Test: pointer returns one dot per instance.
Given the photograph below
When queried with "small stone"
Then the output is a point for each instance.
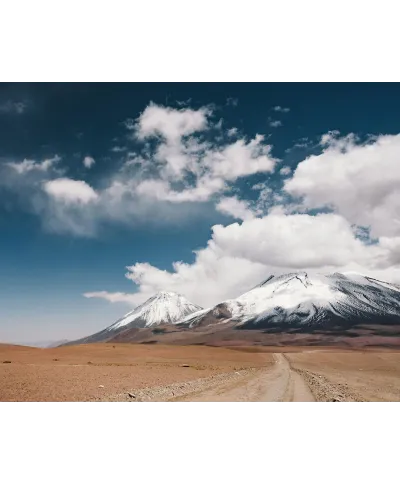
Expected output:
(6, 361)
(101, 386)
(131, 395)
(185, 365)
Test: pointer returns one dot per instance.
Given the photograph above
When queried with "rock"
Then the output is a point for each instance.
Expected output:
(185, 365)
(131, 395)
(6, 361)
(101, 386)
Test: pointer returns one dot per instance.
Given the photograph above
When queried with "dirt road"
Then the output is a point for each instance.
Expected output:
(277, 382)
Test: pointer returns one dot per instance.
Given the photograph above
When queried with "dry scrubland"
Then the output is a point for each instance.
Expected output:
(135, 372)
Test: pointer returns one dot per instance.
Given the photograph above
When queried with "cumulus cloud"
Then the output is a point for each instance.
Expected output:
(29, 165)
(360, 181)
(294, 241)
(121, 197)
(239, 256)
(182, 165)
(240, 159)
(232, 206)
(70, 191)
(356, 185)
(181, 158)
(171, 124)
(178, 164)
(181, 154)
(88, 162)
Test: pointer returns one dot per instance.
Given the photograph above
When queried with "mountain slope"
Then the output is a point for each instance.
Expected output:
(298, 300)
(162, 308)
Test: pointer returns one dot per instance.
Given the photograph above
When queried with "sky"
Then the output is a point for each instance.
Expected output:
(112, 192)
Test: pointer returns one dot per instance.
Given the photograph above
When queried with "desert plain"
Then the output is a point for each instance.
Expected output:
(157, 372)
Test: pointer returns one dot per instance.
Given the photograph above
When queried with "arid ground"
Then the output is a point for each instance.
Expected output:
(154, 372)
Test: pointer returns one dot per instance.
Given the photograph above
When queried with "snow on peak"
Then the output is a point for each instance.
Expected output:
(163, 307)
(284, 291)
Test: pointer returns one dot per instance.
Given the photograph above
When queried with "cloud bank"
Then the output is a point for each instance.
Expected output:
(336, 210)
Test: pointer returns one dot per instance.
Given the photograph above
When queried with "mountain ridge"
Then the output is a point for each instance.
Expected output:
(291, 302)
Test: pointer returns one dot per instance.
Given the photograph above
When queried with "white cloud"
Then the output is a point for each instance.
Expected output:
(232, 206)
(285, 170)
(112, 297)
(329, 137)
(171, 124)
(29, 165)
(185, 168)
(361, 181)
(240, 159)
(190, 156)
(17, 107)
(162, 190)
(280, 109)
(179, 162)
(118, 149)
(239, 256)
(275, 123)
(295, 241)
(88, 162)
(70, 191)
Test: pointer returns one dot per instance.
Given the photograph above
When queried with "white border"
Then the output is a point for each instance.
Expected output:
(198, 41)
(124, 40)
(198, 443)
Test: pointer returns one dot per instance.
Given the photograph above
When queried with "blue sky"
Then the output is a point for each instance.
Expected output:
(259, 178)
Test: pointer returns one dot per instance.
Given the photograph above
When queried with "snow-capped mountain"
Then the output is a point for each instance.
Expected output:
(290, 303)
(301, 300)
(163, 308)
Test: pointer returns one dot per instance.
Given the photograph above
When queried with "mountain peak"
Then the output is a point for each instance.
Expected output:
(166, 295)
(163, 307)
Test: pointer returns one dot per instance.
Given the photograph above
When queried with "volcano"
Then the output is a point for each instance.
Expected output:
(339, 304)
